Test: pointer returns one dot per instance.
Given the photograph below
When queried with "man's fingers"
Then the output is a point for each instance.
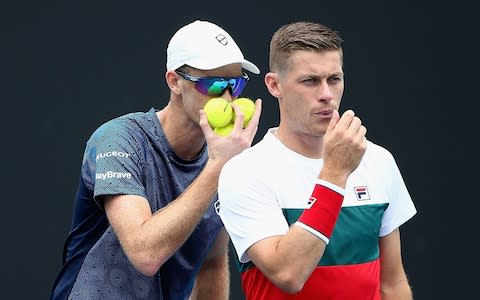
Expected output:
(345, 120)
(256, 114)
(354, 126)
(333, 121)
(252, 126)
(207, 130)
(360, 136)
(239, 117)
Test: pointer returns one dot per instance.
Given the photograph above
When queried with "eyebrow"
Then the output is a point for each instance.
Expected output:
(319, 76)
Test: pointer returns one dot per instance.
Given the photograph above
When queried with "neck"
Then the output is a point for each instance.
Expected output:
(185, 137)
(304, 144)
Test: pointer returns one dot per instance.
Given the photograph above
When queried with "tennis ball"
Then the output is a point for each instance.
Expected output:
(247, 106)
(219, 112)
(224, 131)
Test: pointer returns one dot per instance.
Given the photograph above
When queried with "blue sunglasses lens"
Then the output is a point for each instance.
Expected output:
(217, 86)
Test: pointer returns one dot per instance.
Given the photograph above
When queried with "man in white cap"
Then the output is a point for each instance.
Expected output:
(144, 222)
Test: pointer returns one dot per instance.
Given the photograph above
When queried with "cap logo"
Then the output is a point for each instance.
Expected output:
(222, 39)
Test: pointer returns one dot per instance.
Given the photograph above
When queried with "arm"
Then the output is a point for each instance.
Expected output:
(394, 282)
(149, 239)
(288, 260)
(213, 280)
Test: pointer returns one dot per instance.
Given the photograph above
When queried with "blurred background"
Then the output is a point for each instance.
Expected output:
(68, 66)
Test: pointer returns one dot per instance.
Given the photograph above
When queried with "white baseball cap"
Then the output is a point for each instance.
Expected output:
(205, 46)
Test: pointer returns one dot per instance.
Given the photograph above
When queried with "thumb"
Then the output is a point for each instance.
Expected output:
(207, 130)
(333, 120)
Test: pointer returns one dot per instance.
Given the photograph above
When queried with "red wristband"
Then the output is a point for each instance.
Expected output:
(324, 210)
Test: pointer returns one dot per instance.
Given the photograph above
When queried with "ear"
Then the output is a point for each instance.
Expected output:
(272, 84)
(173, 81)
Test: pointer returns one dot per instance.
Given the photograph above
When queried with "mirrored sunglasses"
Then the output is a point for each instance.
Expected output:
(216, 86)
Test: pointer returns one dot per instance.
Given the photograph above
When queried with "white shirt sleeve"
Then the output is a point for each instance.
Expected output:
(248, 207)
(401, 207)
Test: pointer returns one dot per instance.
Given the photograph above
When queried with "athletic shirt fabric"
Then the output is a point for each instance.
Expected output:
(264, 190)
(130, 155)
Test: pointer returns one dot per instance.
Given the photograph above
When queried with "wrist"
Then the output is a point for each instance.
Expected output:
(213, 168)
(325, 205)
(335, 177)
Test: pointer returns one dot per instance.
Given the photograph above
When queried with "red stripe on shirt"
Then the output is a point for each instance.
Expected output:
(359, 281)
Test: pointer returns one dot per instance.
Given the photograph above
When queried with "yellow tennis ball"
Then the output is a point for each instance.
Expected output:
(247, 106)
(224, 131)
(219, 112)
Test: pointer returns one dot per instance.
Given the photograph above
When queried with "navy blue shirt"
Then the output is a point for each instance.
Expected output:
(130, 155)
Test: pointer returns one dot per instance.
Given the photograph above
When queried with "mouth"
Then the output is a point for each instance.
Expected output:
(324, 114)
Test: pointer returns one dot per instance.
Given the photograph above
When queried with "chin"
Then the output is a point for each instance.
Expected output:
(316, 133)
(319, 130)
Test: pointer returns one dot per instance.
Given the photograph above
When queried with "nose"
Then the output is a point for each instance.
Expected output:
(227, 94)
(325, 94)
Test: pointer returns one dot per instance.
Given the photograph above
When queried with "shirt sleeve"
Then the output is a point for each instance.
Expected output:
(401, 207)
(248, 208)
(112, 164)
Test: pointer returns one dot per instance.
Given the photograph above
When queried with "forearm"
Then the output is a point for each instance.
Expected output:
(150, 240)
(174, 223)
(295, 257)
(400, 291)
(394, 281)
(213, 281)
(289, 260)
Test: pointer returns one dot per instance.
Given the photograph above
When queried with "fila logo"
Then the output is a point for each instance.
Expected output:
(362, 193)
(311, 201)
(222, 39)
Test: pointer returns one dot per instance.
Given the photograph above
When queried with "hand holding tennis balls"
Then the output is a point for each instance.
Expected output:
(221, 116)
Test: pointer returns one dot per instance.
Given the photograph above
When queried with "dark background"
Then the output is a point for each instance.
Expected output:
(411, 75)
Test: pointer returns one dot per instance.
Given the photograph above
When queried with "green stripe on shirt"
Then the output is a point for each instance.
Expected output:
(355, 237)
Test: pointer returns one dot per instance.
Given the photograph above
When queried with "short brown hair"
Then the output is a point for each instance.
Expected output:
(301, 36)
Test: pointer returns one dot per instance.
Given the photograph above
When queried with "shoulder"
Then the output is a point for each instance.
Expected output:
(378, 160)
(377, 152)
(121, 126)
